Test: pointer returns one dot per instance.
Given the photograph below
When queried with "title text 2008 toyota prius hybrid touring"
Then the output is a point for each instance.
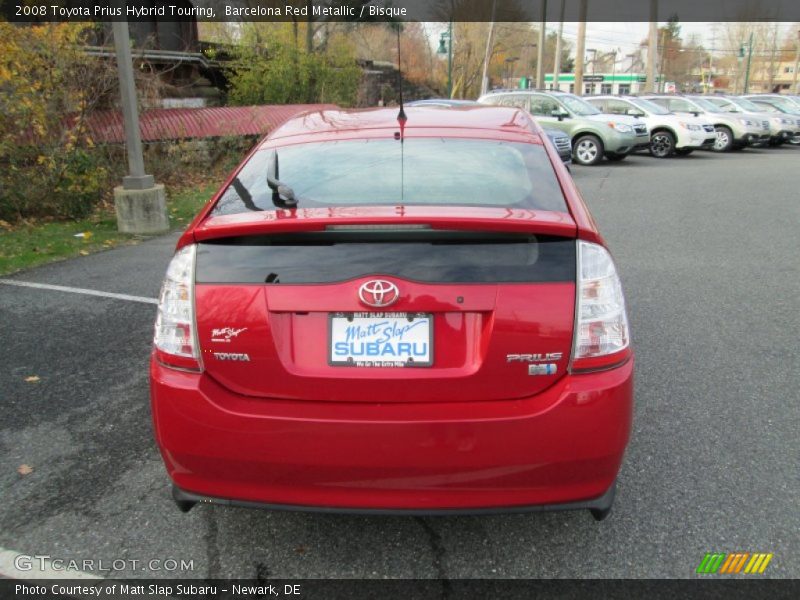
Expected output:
(385, 312)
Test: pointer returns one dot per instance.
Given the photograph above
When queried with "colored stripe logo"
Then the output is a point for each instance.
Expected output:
(733, 563)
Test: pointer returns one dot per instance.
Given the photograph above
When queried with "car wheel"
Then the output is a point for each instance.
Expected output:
(662, 144)
(587, 150)
(724, 141)
(684, 151)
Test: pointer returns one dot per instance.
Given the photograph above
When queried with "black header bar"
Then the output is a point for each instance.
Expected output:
(396, 10)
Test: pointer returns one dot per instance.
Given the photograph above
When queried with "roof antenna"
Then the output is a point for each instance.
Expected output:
(401, 116)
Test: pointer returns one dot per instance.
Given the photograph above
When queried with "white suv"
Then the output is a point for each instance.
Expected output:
(669, 133)
(733, 131)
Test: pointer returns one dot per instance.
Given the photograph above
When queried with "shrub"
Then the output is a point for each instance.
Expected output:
(285, 74)
(48, 163)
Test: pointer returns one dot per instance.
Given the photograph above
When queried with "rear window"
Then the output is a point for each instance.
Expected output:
(432, 257)
(429, 171)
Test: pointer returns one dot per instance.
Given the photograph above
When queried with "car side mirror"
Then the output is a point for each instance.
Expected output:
(559, 114)
(695, 113)
(632, 112)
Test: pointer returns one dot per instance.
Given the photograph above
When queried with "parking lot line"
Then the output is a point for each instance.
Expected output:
(74, 290)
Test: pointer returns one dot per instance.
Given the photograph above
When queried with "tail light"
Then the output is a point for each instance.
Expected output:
(602, 337)
(175, 338)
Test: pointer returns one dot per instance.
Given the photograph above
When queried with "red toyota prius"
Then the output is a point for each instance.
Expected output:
(395, 313)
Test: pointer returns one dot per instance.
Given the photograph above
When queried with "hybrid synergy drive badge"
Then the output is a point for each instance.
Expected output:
(545, 369)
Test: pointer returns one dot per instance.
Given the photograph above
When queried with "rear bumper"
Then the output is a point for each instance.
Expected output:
(601, 504)
(562, 448)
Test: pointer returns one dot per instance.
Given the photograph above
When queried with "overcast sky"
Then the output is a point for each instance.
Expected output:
(626, 36)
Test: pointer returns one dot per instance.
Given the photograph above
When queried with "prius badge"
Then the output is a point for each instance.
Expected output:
(378, 293)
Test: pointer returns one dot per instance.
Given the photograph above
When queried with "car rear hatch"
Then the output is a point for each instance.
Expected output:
(397, 310)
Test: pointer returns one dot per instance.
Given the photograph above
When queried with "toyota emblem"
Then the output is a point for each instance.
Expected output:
(378, 293)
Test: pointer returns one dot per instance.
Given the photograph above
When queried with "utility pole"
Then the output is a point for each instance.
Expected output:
(662, 65)
(140, 203)
(557, 61)
(581, 46)
(749, 59)
(487, 57)
(652, 47)
(796, 64)
(540, 49)
(706, 88)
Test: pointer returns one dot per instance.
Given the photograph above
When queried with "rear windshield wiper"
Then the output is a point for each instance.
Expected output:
(282, 195)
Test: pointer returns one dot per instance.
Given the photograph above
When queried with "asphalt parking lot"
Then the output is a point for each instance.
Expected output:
(708, 250)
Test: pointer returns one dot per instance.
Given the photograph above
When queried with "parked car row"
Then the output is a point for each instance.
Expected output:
(615, 126)
(560, 140)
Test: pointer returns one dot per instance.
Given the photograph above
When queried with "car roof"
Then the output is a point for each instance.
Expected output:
(502, 121)
(527, 91)
(449, 102)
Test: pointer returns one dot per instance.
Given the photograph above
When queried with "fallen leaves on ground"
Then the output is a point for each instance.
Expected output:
(32, 379)
(84, 253)
(24, 469)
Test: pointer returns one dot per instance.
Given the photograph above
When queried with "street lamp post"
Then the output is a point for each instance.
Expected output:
(613, 65)
(139, 202)
(633, 56)
(592, 62)
(447, 37)
(527, 62)
(507, 70)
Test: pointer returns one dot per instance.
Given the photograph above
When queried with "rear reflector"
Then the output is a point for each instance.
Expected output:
(175, 339)
(602, 338)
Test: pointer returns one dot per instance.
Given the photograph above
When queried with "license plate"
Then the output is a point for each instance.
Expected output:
(388, 339)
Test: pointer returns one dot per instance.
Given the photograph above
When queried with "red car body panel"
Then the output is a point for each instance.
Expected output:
(563, 445)
(287, 428)
(445, 217)
(285, 325)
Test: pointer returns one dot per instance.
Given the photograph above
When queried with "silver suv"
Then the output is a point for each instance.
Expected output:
(593, 133)
(669, 133)
(734, 131)
(782, 128)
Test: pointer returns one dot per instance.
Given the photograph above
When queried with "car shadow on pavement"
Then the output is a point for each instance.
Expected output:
(295, 544)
